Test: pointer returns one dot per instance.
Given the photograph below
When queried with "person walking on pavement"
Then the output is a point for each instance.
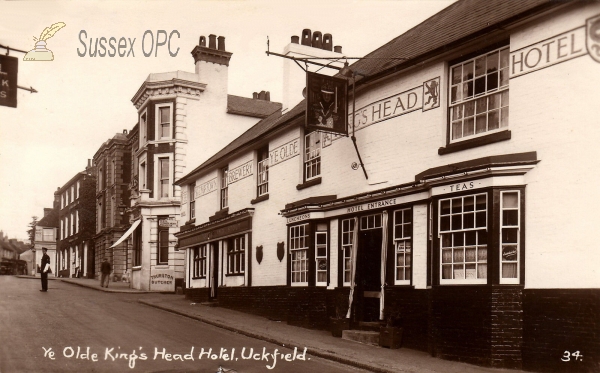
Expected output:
(105, 269)
(45, 269)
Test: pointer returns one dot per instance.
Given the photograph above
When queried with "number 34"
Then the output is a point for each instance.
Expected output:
(577, 356)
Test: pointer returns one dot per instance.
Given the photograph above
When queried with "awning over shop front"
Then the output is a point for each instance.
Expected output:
(128, 233)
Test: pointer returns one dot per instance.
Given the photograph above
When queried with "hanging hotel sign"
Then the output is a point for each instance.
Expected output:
(205, 188)
(284, 152)
(8, 80)
(240, 172)
(326, 103)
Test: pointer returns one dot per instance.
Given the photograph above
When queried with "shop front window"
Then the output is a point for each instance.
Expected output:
(403, 245)
(321, 254)
(299, 254)
(236, 259)
(347, 241)
(199, 254)
(463, 239)
(509, 237)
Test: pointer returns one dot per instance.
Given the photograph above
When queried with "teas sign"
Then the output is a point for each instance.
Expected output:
(162, 280)
(8, 81)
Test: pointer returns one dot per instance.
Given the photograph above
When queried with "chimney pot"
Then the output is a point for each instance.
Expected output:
(202, 41)
(212, 41)
(255, 95)
(89, 163)
(306, 37)
(295, 39)
(221, 43)
(317, 40)
(125, 132)
(268, 96)
(337, 49)
(328, 42)
(261, 95)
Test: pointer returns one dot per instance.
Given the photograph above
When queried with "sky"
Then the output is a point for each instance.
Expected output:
(82, 101)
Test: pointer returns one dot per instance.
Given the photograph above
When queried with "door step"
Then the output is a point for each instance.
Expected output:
(372, 326)
(367, 337)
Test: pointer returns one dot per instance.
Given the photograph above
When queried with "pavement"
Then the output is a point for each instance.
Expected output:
(318, 342)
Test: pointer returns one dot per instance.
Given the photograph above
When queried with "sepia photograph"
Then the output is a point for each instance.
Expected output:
(248, 186)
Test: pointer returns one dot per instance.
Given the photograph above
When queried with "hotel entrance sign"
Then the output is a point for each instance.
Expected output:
(8, 81)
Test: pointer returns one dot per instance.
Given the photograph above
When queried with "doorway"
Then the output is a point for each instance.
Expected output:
(368, 274)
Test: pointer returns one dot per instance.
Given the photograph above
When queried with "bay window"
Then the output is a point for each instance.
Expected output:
(509, 237)
(321, 254)
(164, 121)
(347, 241)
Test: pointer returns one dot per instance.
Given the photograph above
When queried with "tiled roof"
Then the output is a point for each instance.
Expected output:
(251, 107)
(50, 220)
(272, 121)
(445, 29)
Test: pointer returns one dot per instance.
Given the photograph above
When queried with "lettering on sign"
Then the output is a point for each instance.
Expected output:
(548, 52)
(170, 222)
(284, 152)
(162, 280)
(393, 106)
(205, 188)
(462, 186)
(184, 195)
(294, 219)
(240, 172)
(372, 205)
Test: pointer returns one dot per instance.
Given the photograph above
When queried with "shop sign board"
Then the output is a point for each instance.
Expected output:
(8, 80)
(168, 222)
(162, 280)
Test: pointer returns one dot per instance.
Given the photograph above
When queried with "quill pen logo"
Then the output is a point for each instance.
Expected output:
(40, 52)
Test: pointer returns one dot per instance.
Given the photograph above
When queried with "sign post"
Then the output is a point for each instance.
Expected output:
(9, 67)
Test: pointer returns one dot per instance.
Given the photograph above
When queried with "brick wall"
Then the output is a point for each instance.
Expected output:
(507, 327)
(197, 295)
(413, 306)
(559, 320)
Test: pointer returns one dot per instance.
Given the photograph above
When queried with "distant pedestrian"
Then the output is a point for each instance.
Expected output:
(105, 269)
(45, 269)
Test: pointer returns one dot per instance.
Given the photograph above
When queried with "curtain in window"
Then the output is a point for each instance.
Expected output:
(384, 240)
(353, 266)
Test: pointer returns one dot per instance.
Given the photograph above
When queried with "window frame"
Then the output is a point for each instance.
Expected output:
(199, 259)
(192, 196)
(224, 188)
(509, 280)
(406, 242)
(158, 125)
(236, 255)
(299, 244)
(312, 156)
(158, 177)
(162, 249)
(456, 233)
(47, 232)
(143, 129)
(262, 172)
(143, 174)
(324, 233)
(346, 248)
(457, 107)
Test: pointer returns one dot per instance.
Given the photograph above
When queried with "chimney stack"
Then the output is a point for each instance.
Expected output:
(47, 211)
(202, 41)
(212, 41)
(295, 39)
(221, 43)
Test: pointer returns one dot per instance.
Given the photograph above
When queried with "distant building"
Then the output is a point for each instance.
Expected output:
(10, 261)
(45, 235)
(183, 118)
(77, 216)
(112, 164)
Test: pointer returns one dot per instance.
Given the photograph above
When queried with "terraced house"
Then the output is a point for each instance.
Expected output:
(477, 131)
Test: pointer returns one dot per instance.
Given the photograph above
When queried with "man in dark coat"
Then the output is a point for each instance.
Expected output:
(45, 268)
(105, 268)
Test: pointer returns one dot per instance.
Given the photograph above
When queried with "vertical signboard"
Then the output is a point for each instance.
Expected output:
(326, 103)
(8, 81)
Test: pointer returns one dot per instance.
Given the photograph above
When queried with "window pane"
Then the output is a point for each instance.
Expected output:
(165, 114)
(481, 104)
(456, 73)
(503, 77)
(456, 130)
(509, 270)
(457, 112)
(469, 128)
(468, 71)
(509, 235)
(492, 81)
(467, 89)
(510, 217)
(493, 120)
(469, 108)
(480, 66)
(510, 200)
(445, 207)
(480, 85)
(492, 62)
(504, 58)
(494, 101)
